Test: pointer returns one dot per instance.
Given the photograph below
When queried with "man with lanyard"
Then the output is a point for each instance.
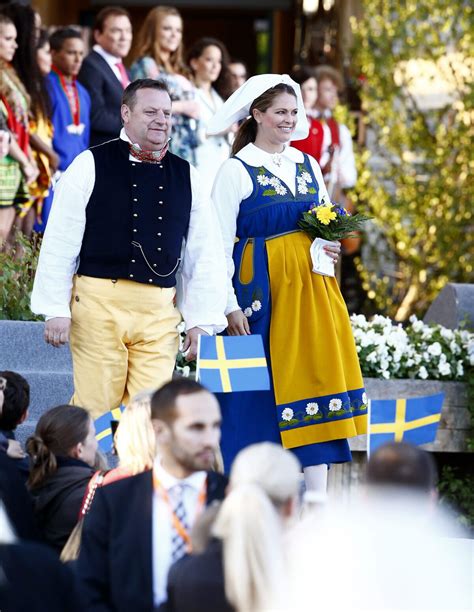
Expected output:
(103, 73)
(139, 526)
(128, 224)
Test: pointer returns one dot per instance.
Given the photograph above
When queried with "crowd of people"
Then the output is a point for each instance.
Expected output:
(166, 530)
(171, 193)
(56, 101)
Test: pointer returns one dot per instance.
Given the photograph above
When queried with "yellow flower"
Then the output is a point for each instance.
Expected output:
(325, 214)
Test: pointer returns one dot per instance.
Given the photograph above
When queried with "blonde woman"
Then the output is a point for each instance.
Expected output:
(243, 568)
(159, 53)
(135, 441)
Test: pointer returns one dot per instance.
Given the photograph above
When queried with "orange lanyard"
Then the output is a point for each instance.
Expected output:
(177, 524)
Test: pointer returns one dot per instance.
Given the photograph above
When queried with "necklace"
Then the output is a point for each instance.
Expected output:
(277, 159)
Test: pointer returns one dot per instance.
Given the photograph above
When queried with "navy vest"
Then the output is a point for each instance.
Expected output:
(136, 217)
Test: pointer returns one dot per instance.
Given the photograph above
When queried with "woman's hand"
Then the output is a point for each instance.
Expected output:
(30, 171)
(238, 324)
(190, 108)
(333, 250)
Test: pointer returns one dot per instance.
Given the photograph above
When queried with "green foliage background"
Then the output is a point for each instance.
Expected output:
(17, 272)
(416, 175)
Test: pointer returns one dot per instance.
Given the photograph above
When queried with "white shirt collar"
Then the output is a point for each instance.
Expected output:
(195, 481)
(124, 136)
(112, 60)
(254, 156)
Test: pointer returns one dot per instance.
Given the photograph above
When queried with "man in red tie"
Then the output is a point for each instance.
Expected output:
(103, 73)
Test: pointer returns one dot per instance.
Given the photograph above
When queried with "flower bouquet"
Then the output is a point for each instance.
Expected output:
(325, 223)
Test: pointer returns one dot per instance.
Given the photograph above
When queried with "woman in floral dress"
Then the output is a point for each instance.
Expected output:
(160, 56)
(317, 399)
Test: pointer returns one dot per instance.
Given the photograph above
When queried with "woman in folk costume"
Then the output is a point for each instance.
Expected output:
(317, 399)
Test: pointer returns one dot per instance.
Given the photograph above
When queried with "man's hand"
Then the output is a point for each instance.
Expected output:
(191, 342)
(14, 450)
(56, 331)
(238, 324)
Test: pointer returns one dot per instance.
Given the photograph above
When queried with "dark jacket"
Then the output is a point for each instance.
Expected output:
(34, 580)
(115, 564)
(23, 465)
(196, 583)
(17, 501)
(105, 92)
(59, 499)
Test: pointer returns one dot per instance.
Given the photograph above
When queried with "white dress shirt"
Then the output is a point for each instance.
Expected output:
(162, 529)
(201, 277)
(233, 184)
(112, 60)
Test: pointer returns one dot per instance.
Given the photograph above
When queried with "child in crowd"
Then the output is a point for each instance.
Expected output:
(70, 101)
(14, 402)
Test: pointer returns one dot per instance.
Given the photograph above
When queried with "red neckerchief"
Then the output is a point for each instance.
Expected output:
(153, 157)
(72, 100)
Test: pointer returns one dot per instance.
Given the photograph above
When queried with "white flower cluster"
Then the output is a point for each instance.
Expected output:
(302, 180)
(287, 414)
(274, 182)
(388, 350)
(312, 408)
(256, 306)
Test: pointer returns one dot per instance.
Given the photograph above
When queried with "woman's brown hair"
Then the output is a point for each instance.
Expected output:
(148, 45)
(248, 130)
(222, 83)
(57, 432)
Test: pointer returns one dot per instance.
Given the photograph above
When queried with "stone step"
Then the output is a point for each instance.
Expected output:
(23, 348)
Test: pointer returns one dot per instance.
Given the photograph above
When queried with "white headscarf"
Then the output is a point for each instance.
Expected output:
(237, 107)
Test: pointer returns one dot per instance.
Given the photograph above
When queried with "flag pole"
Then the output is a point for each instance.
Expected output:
(369, 417)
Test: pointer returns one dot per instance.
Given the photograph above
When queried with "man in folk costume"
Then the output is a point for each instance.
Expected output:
(128, 224)
(331, 142)
(70, 105)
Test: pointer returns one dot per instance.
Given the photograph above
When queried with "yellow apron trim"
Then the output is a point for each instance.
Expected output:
(324, 432)
(246, 264)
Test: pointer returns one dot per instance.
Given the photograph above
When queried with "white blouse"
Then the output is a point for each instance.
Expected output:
(233, 184)
(212, 150)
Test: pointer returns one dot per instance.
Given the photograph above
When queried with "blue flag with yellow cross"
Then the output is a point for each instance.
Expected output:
(414, 420)
(103, 428)
(232, 363)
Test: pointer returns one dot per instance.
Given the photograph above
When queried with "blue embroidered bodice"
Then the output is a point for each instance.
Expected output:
(271, 208)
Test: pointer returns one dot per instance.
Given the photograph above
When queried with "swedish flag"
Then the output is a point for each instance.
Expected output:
(413, 420)
(232, 363)
(103, 428)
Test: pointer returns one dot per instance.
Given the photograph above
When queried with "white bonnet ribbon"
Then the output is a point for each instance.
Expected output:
(237, 107)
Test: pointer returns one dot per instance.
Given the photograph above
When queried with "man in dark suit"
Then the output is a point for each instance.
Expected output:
(139, 526)
(103, 73)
